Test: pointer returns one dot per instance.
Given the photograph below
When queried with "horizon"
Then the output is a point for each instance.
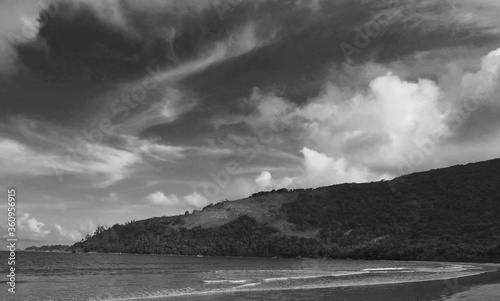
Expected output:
(117, 111)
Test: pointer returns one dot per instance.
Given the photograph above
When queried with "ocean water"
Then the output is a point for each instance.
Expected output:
(97, 277)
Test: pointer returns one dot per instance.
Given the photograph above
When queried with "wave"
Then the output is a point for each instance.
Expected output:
(384, 269)
(248, 285)
(215, 281)
(442, 269)
(225, 281)
(280, 282)
(254, 287)
(447, 268)
(335, 274)
(277, 279)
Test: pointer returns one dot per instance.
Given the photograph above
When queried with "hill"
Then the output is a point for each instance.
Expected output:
(52, 248)
(449, 214)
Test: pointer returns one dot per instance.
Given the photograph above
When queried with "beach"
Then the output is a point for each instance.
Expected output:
(120, 277)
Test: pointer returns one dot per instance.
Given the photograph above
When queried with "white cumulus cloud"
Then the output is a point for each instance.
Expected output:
(193, 200)
(32, 226)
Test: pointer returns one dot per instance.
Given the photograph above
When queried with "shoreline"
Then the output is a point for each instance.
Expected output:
(496, 264)
(446, 292)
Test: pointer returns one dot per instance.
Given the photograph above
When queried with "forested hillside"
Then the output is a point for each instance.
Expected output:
(52, 248)
(450, 214)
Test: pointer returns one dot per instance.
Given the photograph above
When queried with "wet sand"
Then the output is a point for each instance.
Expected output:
(484, 287)
(489, 292)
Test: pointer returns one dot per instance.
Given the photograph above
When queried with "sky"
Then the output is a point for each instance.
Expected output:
(112, 111)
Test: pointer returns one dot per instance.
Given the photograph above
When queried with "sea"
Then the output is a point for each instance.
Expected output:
(99, 277)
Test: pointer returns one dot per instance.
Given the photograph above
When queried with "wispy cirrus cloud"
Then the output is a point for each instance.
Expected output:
(59, 153)
(103, 165)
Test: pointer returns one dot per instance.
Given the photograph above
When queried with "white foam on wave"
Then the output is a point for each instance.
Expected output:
(335, 274)
(449, 268)
(248, 285)
(252, 287)
(444, 269)
(384, 269)
(225, 281)
(276, 279)
(255, 286)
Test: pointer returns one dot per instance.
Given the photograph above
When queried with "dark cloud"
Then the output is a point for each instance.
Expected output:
(78, 39)
(314, 40)
(307, 49)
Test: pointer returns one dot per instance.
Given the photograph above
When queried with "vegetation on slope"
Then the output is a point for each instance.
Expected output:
(450, 214)
(52, 248)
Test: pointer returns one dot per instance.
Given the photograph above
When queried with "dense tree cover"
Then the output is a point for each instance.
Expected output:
(52, 248)
(449, 214)
(241, 237)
